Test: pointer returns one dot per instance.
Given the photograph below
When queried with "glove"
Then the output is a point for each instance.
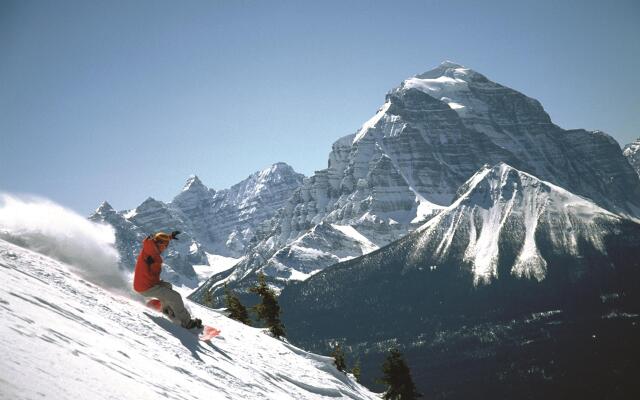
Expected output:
(148, 260)
(174, 235)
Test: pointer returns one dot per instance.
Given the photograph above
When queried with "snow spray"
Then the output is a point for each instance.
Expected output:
(52, 230)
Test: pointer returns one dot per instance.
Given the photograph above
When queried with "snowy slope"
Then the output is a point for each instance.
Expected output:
(501, 205)
(63, 337)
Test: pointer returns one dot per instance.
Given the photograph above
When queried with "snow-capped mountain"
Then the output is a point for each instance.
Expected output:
(510, 246)
(503, 208)
(65, 338)
(213, 223)
(153, 216)
(129, 235)
(632, 152)
(227, 220)
(405, 164)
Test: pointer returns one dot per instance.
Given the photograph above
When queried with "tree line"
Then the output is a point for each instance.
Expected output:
(396, 373)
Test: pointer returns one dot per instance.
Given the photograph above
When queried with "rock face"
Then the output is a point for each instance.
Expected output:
(153, 216)
(475, 285)
(128, 235)
(632, 152)
(212, 222)
(405, 164)
(225, 221)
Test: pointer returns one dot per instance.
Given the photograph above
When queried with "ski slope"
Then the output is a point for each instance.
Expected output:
(63, 337)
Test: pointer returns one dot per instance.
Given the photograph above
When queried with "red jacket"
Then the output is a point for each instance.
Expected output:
(148, 266)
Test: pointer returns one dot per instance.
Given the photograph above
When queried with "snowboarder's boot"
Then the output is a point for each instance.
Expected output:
(194, 323)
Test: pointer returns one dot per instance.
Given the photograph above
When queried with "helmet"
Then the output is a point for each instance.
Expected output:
(162, 237)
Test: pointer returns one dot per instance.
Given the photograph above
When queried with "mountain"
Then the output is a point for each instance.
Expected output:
(226, 220)
(214, 224)
(632, 152)
(129, 235)
(66, 338)
(514, 276)
(405, 164)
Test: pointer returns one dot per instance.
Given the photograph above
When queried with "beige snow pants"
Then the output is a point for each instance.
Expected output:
(172, 304)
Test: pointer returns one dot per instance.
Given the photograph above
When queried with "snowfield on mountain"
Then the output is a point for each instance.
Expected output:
(63, 337)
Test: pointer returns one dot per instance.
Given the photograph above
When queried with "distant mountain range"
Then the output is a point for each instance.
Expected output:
(213, 223)
(404, 165)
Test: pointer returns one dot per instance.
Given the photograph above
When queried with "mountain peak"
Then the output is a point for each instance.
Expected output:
(276, 171)
(632, 153)
(194, 183)
(278, 167)
(635, 145)
(450, 64)
(502, 186)
(448, 69)
(105, 208)
(497, 199)
(150, 202)
(501, 182)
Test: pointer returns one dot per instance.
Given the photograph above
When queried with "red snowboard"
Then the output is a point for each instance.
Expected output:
(208, 332)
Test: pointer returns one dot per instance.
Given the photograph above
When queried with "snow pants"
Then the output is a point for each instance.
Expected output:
(172, 304)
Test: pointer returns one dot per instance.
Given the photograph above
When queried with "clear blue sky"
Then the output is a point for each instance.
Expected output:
(121, 100)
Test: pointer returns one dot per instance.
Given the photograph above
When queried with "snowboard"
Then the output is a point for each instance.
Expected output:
(208, 332)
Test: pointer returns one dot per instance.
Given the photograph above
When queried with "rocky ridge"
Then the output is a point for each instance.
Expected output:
(212, 222)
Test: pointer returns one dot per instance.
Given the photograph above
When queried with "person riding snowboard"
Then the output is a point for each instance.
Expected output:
(146, 280)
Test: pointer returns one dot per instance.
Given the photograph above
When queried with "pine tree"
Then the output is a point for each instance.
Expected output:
(207, 301)
(338, 358)
(236, 309)
(398, 378)
(357, 371)
(269, 309)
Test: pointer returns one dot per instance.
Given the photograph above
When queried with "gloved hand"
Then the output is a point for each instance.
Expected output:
(174, 235)
(148, 260)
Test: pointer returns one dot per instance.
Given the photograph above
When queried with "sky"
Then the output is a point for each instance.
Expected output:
(123, 100)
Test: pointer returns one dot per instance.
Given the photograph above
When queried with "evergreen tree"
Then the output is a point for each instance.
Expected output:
(338, 358)
(357, 371)
(236, 309)
(269, 309)
(207, 301)
(398, 378)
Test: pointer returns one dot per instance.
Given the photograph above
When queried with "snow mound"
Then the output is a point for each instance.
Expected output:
(64, 338)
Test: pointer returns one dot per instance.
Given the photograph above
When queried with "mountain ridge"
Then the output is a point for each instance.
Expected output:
(404, 165)
(220, 223)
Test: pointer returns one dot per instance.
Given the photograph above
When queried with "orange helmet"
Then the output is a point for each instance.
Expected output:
(162, 237)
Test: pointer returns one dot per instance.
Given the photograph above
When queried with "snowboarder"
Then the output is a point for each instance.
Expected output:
(146, 280)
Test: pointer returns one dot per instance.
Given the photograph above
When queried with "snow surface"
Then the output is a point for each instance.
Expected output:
(64, 335)
(217, 264)
(451, 88)
(65, 338)
(371, 122)
(366, 245)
